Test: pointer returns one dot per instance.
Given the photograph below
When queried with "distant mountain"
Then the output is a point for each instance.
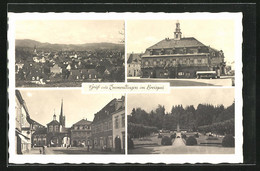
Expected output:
(28, 43)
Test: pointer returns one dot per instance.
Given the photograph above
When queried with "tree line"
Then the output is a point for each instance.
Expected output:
(188, 118)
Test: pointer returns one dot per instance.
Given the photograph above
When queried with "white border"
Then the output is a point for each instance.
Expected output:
(171, 158)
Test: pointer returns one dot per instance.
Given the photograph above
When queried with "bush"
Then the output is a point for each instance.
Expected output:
(166, 141)
(159, 136)
(228, 141)
(183, 136)
(130, 143)
(191, 141)
(173, 136)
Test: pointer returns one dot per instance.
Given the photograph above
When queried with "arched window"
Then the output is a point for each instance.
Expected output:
(33, 78)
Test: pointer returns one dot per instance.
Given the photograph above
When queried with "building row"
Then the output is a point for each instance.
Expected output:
(106, 132)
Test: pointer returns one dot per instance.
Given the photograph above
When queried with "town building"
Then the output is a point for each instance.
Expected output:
(55, 135)
(102, 126)
(118, 118)
(81, 134)
(134, 65)
(181, 57)
(56, 69)
(23, 127)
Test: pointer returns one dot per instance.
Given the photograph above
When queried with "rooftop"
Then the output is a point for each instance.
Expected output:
(171, 43)
(83, 122)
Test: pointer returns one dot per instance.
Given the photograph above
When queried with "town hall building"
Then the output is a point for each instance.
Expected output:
(181, 58)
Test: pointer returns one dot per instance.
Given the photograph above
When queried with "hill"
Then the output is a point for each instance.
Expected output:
(28, 43)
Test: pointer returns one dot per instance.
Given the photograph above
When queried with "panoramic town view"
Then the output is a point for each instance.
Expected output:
(187, 121)
(64, 125)
(186, 53)
(89, 51)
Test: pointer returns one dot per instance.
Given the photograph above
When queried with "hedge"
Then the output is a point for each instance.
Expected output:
(166, 141)
(191, 141)
(228, 141)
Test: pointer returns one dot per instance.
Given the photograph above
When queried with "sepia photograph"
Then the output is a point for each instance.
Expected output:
(69, 122)
(125, 87)
(181, 52)
(186, 121)
(65, 53)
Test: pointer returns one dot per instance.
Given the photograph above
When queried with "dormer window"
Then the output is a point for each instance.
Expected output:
(162, 52)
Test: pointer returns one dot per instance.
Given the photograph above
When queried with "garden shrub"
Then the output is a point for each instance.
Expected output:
(183, 136)
(166, 141)
(191, 141)
(173, 136)
(228, 141)
(130, 143)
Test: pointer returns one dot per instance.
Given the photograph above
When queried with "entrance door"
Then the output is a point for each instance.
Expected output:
(154, 74)
(54, 142)
(18, 145)
(118, 144)
(172, 73)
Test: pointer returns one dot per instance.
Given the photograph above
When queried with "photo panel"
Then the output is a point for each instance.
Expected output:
(65, 53)
(185, 121)
(64, 122)
(185, 52)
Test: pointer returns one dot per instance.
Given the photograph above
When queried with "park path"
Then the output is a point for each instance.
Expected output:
(178, 142)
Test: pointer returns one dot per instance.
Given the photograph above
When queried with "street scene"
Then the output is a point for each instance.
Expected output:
(182, 122)
(195, 53)
(88, 51)
(65, 125)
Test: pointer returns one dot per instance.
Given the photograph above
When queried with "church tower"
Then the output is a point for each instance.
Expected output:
(62, 118)
(35, 50)
(177, 33)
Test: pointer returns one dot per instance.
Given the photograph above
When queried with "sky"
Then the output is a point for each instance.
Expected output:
(219, 34)
(184, 97)
(41, 104)
(70, 31)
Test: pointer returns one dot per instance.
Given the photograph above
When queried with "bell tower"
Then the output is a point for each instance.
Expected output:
(177, 33)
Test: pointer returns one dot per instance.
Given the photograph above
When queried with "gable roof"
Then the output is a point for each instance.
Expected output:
(105, 112)
(134, 58)
(54, 122)
(83, 122)
(40, 131)
(31, 121)
(171, 43)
